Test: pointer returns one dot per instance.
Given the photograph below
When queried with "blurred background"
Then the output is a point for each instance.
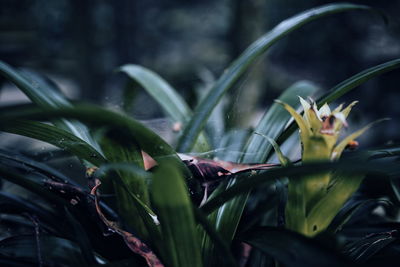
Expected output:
(79, 44)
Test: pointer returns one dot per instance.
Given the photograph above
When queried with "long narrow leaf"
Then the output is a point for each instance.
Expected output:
(257, 150)
(345, 87)
(269, 176)
(55, 136)
(46, 97)
(220, 244)
(12, 204)
(293, 249)
(144, 215)
(239, 66)
(160, 90)
(181, 246)
(274, 122)
(98, 117)
(356, 80)
(119, 148)
(53, 250)
(165, 95)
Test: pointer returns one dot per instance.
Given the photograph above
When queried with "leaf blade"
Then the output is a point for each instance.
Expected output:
(181, 244)
(240, 65)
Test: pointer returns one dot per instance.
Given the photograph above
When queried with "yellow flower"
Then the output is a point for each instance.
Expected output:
(320, 130)
(319, 133)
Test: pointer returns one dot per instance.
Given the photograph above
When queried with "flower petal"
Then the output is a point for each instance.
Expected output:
(304, 103)
(345, 113)
(341, 117)
(304, 129)
(324, 111)
(347, 110)
(311, 115)
(338, 108)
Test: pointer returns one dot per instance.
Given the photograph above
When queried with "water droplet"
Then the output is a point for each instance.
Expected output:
(155, 219)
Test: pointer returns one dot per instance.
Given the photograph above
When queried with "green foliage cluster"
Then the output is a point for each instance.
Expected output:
(155, 207)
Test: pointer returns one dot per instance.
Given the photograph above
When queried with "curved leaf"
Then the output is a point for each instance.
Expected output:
(98, 117)
(45, 96)
(149, 218)
(160, 90)
(40, 167)
(274, 121)
(181, 243)
(55, 136)
(293, 249)
(12, 204)
(351, 208)
(220, 244)
(363, 249)
(166, 96)
(53, 250)
(240, 65)
(257, 150)
(346, 166)
(345, 87)
(356, 80)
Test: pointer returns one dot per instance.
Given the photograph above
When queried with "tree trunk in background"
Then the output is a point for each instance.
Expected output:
(248, 24)
(105, 32)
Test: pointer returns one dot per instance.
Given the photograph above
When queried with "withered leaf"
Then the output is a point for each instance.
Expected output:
(134, 243)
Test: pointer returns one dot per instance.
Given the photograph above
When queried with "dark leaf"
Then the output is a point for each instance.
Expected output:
(53, 251)
(293, 249)
(131, 241)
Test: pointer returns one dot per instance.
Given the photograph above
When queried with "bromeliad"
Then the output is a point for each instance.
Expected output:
(314, 200)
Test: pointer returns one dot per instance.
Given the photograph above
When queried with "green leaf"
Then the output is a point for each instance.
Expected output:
(322, 214)
(17, 164)
(9, 175)
(10, 159)
(232, 142)
(348, 166)
(55, 136)
(245, 60)
(220, 244)
(44, 96)
(118, 149)
(281, 157)
(257, 149)
(293, 249)
(144, 220)
(99, 118)
(345, 87)
(181, 246)
(347, 212)
(13, 204)
(53, 250)
(81, 238)
(356, 80)
(231, 145)
(166, 96)
(274, 121)
(160, 90)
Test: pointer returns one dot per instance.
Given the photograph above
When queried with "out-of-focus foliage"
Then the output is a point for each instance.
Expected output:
(142, 203)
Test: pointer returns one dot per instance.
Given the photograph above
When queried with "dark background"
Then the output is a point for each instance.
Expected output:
(79, 44)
